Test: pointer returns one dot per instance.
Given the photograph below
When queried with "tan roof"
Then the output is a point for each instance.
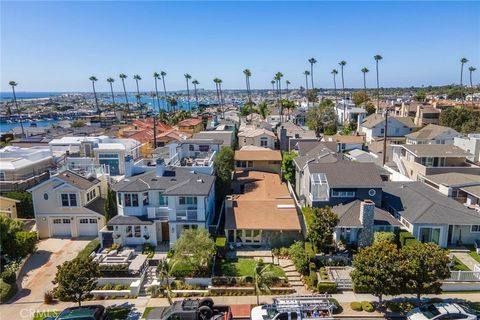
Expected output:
(436, 150)
(255, 133)
(77, 180)
(189, 122)
(473, 190)
(265, 204)
(375, 118)
(455, 178)
(258, 155)
(344, 139)
(430, 132)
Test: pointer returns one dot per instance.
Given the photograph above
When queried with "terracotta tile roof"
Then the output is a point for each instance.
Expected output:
(265, 203)
(175, 134)
(258, 155)
(145, 124)
(143, 136)
(189, 122)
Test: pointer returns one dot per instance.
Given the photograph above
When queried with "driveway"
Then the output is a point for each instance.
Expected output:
(38, 273)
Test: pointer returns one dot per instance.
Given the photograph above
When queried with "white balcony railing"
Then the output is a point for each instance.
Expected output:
(158, 213)
(187, 215)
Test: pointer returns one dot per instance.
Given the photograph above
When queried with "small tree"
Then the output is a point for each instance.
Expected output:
(426, 264)
(384, 236)
(223, 165)
(75, 279)
(321, 226)
(369, 108)
(196, 247)
(263, 277)
(378, 270)
(288, 167)
(25, 207)
(110, 205)
(322, 118)
(359, 98)
(164, 272)
(299, 257)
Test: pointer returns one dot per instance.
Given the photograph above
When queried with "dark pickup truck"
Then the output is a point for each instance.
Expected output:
(191, 309)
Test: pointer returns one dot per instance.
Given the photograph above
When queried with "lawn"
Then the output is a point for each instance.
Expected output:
(147, 312)
(458, 265)
(42, 315)
(245, 267)
(91, 247)
(473, 252)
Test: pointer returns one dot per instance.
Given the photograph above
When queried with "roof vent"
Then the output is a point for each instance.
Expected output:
(200, 180)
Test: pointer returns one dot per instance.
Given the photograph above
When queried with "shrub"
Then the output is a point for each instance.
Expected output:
(48, 297)
(367, 306)
(393, 306)
(406, 239)
(383, 236)
(299, 257)
(356, 306)
(326, 287)
(170, 253)
(6, 290)
(92, 246)
(311, 281)
(309, 251)
(337, 307)
(9, 275)
(283, 252)
(407, 306)
(149, 250)
(221, 245)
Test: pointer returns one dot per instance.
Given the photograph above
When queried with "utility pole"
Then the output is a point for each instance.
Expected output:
(385, 128)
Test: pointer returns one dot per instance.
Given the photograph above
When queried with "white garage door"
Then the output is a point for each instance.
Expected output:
(87, 227)
(61, 227)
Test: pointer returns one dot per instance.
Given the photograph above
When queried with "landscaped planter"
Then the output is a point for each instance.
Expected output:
(203, 282)
(112, 293)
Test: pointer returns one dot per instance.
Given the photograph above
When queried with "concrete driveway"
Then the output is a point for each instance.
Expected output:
(38, 273)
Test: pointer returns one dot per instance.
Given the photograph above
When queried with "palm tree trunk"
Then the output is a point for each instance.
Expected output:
(343, 94)
(188, 97)
(18, 111)
(364, 83)
(196, 95)
(246, 85)
(165, 94)
(461, 85)
(156, 92)
(378, 87)
(95, 95)
(311, 75)
(221, 100)
(335, 89)
(126, 99)
(113, 99)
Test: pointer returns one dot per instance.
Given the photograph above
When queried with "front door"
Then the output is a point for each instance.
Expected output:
(165, 232)
(159, 232)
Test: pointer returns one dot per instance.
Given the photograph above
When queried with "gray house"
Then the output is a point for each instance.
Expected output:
(429, 215)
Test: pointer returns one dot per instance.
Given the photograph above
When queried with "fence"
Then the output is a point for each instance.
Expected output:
(465, 276)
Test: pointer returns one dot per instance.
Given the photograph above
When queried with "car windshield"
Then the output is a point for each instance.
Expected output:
(429, 311)
(271, 313)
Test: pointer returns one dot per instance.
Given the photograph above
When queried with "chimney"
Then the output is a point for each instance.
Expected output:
(128, 166)
(160, 167)
(367, 212)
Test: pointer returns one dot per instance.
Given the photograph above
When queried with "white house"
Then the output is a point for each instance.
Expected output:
(154, 207)
(373, 126)
(69, 205)
(432, 134)
(349, 112)
(470, 143)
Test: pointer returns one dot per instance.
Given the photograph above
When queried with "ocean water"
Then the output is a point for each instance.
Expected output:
(8, 95)
(5, 127)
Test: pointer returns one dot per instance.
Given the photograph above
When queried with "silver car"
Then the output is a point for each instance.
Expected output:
(442, 311)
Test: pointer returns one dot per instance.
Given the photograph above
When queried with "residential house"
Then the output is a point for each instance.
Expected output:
(154, 207)
(257, 137)
(373, 126)
(289, 134)
(322, 178)
(359, 155)
(432, 134)
(420, 160)
(359, 220)
(429, 215)
(299, 117)
(196, 154)
(192, 125)
(69, 205)
(349, 113)
(227, 136)
(346, 142)
(172, 135)
(471, 144)
(426, 115)
(261, 211)
(258, 159)
(8, 207)
(22, 168)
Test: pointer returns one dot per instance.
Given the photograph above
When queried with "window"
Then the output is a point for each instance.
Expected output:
(120, 199)
(372, 192)
(131, 199)
(204, 148)
(69, 199)
(91, 195)
(67, 221)
(111, 160)
(188, 200)
(263, 141)
(83, 221)
(145, 198)
(93, 221)
(319, 189)
(343, 194)
(45, 196)
(129, 232)
(2, 176)
(57, 221)
(476, 228)
(244, 164)
(191, 147)
(382, 131)
(162, 200)
(138, 231)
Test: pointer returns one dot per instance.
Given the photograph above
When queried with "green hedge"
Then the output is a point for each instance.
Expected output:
(91, 247)
(367, 306)
(407, 239)
(221, 244)
(311, 280)
(6, 290)
(328, 287)
(356, 306)
(310, 251)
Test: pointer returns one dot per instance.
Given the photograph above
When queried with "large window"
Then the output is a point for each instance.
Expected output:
(91, 195)
(430, 235)
(145, 199)
(69, 199)
(264, 142)
(244, 164)
(111, 160)
(2, 176)
(319, 187)
(131, 199)
(343, 194)
(188, 200)
(476, 228)
(162, 200)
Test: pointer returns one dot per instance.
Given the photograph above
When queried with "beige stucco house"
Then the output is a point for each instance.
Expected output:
(257, 137)
(8, 207)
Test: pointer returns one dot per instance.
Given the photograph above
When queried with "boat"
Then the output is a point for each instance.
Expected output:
(315, 306)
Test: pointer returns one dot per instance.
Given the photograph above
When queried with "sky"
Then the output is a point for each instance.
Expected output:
(57, 46)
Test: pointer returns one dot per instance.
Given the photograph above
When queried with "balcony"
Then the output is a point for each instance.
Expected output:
(187, 215)
(158, 213)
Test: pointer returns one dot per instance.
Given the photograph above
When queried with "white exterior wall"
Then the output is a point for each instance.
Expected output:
(394, 129)
(470, 144)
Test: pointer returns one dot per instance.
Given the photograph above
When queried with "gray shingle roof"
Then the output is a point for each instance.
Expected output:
(77, 180)
(349, 215)
(348, 174)
(305, 147)
(128, 220)
(436, 150)
(430, 132)
(97, 205)
(419, 203)
(374, 119)
(175, 181)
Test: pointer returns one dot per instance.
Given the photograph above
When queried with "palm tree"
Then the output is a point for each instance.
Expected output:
(365, 71)
(462, 61)
(312, 62)
(195, 83)
(164, 272)
(377, 58)
(335, 72)
(218, 88)
(153, 95)
(342, 64)
(273, 85)
(13, 84)
(111, 81)
(306, 73)
(93, 79)
(287, 84)
(278, 78)
(221, 97)
(156, 76)
(188, 77)
(123, 76)
(472, 70)
(138, 96)
(248, 74)
(263, 109)
(263, 276)
(163, 74)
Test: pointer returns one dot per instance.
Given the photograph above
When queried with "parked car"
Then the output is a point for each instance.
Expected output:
(442, 311)
(94, 312)
(192, 309)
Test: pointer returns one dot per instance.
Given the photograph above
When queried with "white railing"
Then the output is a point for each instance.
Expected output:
(399, 163)
(465, 276)
(158, 213)
(188, 214)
